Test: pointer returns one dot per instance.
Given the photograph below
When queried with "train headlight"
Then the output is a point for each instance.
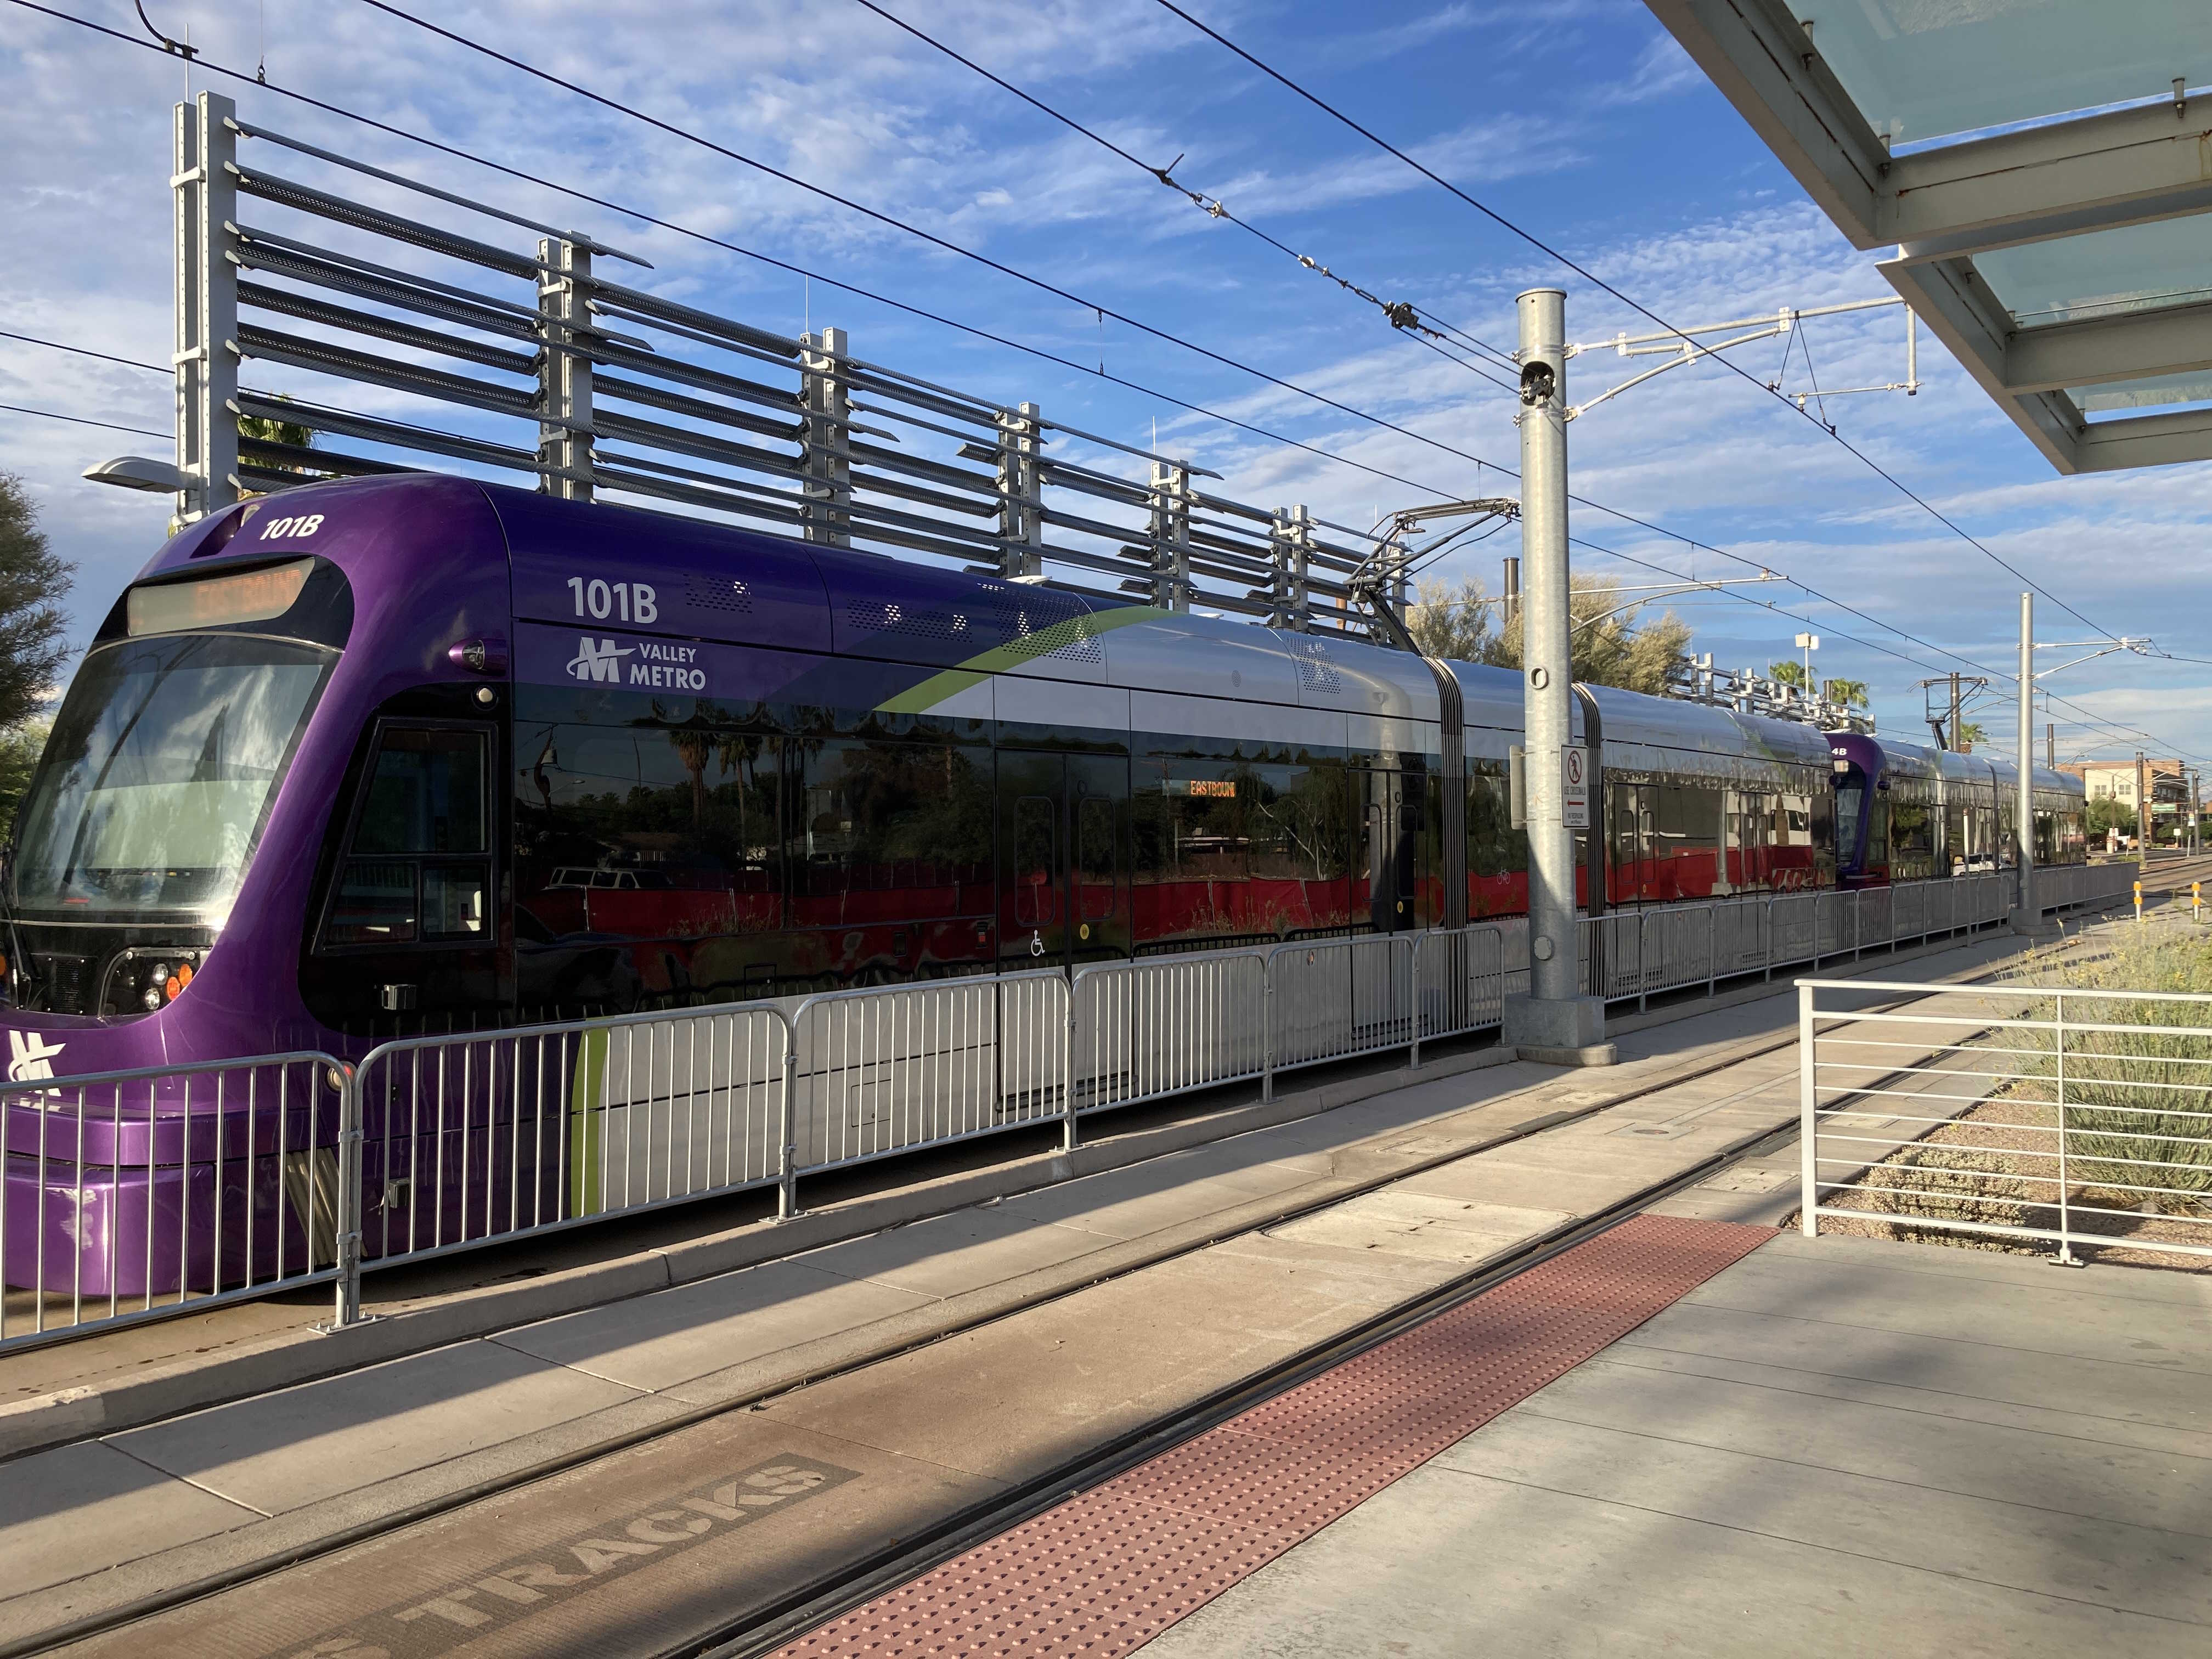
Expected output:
(158, 974)
(152, 1000)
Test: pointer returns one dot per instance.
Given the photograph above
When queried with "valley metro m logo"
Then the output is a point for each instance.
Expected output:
(599, 660)
(30, 1057)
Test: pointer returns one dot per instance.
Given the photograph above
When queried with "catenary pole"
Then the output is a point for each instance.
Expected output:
(2024, 795)
(1555, 1019)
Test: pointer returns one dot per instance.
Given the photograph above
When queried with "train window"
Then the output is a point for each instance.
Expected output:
(374, 904)
(426, 793)
(425, 802)
(663, 833)
(1036, 863)
(907, 823)
(1494, 847)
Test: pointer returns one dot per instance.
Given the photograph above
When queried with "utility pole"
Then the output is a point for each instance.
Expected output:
(2143, 810)
(2050, 746)
(1555, 1022)
(1808, 643)
(1512, 592)
(1953, 727)
(2028, 917)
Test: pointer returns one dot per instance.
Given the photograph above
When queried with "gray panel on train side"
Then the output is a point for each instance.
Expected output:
(1336, 672)
(1030, 701)
(1370, 735)
(1203, 656)
(1275, 725)
(1493, 697)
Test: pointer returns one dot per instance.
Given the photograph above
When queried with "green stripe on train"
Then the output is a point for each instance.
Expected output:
(921, 698)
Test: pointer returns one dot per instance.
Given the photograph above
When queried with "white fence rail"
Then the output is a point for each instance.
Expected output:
(2081, 1118)
(437, 1143)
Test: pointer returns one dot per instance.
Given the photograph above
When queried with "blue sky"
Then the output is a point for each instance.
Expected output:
(1578, 120)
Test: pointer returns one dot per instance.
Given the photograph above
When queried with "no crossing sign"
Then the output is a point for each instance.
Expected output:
(1574, 786)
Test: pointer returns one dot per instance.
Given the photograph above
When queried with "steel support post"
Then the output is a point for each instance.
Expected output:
(1021, 492)
(1291, 548)
(1556, 1016)
(829, 453)
(1170, 536)
(564, 368)
(2027, 919)
(1808, 1120)
(206, 359)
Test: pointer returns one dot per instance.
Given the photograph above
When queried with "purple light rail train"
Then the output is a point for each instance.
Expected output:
(408, 755)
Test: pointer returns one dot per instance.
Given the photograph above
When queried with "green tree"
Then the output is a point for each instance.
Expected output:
(34, 580)
(1612, 643)
(1789, 673)
(1852, 694)
(1969, 733)
(20, 749)
(2108, 814)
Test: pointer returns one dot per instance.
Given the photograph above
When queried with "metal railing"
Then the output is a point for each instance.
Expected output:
(892, 1069)
(134, 1194)
(2077, 1117)
(1166, 1025)
(438, 1144)
(470, 1139)
(462, 338)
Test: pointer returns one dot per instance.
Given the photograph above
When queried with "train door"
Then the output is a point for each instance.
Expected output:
(1629, 810)
(1098, 871)
(1391, 834)
(1063, 866)
(409, 938)
(1033, 859)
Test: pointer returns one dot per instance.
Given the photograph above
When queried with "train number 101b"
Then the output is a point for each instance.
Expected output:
(628, 601)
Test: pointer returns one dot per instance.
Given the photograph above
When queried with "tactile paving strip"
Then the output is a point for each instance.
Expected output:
(1104, 1572)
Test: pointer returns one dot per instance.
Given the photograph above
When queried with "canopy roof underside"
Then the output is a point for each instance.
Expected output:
(2040, 168)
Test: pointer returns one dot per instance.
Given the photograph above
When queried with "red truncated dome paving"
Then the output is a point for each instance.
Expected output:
(1104, 1572)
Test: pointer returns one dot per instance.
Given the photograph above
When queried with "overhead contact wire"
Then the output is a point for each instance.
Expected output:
(1549, 252)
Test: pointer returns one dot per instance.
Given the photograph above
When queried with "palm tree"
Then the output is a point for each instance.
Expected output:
(1852, 694)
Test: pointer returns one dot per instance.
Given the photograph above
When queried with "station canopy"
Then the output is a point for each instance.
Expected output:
(2042, 171)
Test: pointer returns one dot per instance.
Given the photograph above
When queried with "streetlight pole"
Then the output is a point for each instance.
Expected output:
(1555, 1021)
(2028, 917)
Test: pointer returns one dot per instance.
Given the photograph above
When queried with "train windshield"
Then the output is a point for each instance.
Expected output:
(158, 772)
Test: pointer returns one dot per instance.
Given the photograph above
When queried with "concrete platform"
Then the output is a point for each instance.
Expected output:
(1838, 1446)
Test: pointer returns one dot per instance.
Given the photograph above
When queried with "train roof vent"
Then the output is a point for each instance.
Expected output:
(727, 593)
(1315, 672)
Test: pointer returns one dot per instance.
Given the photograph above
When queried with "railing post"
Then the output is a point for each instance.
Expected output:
(1021, 492)
(2066, 1258)
(1713, 948)
(1643, 960)
(206, 356)
(346, 1309)
(1766, 929)
(1170, 536)
(564, 369)
(1413, 948)
(1808, 1124)
(787, 1197)
(1291, 553)
(1267, 1024)
(827, 456)
(1067, 1131)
